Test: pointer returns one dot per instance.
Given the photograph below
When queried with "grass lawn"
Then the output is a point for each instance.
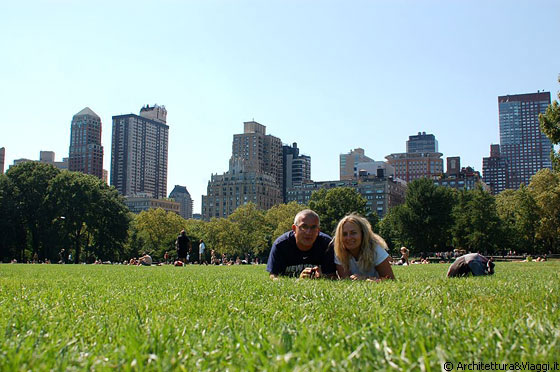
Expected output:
(78, 317)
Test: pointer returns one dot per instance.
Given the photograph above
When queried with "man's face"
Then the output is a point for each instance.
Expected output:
(306, 231)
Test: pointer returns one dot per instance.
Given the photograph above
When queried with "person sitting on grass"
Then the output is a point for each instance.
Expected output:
(360, 254)
(472, 263)
(145, 260)
(404, 257)
(302, 252)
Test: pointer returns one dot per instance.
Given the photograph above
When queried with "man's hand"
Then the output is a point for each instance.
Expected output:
(311, 273)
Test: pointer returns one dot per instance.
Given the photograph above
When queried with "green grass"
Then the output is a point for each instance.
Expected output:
(77, 317)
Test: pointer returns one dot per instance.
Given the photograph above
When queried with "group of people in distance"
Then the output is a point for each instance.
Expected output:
(355, 252)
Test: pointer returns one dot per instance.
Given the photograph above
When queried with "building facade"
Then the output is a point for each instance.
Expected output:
(139, 153)
(86, 152)
(349, 163)
(183, 197)
(47, 157)
(381, 193)
(255, 174)
(422, 142)
(410, 166)
(297, 168)
(458, 178)
(522, 143)
(495, 170)
(2, 158)
(140, 203)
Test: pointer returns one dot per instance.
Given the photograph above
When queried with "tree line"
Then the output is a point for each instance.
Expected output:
(44, 210)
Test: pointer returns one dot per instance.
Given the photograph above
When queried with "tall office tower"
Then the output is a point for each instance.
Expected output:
(86, 152)
(139, 153)
(349, 163)
(495, 170)
(255, 174)
(183, 197)
(297, 168)
(258, 151)
(422, 142)
(525, 147)
(2, 158)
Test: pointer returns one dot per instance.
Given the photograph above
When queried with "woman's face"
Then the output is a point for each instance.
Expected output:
(351, 236)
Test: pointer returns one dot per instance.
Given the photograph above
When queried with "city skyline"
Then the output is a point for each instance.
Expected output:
(330, 76)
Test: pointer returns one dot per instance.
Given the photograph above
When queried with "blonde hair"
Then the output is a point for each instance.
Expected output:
(370, 240)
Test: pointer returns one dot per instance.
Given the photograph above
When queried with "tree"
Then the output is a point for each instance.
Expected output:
(392, 230)
(426, 217)
(545, 189)
(158, 229)
(223, 236)
(280, 219)
(477, 226)
(9, 221)
(251, 226)
(91, 217)
(550, 125)
(333, 204)
(30, 182)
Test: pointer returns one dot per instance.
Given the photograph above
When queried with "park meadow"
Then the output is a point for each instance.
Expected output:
(165, 318)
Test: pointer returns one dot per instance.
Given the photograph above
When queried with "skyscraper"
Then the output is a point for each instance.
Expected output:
(255, 174)
(139, 153)
(495, 170)
(86, 152)
(2, 157)
(183, 197)
(522, 143)
(297, 168)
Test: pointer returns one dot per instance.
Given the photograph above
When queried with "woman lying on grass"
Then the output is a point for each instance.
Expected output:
(360, 254)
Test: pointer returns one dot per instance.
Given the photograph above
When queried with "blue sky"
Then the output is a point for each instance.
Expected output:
(329, 75)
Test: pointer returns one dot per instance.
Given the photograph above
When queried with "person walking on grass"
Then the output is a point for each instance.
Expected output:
(302, 252)
(201, 252)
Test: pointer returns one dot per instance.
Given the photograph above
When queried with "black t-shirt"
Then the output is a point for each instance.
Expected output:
(183, 245)
(287, 259)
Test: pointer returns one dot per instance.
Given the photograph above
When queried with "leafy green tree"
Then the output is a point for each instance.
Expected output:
(280, 219)
(545, 189)
(391, 229)
(30, 182)
(426, 216)
(333, 204)
(251, 226)
(158, 229)
(477, 225)
(8, 221)
(223, 236)
(91, 217)
(550, 125)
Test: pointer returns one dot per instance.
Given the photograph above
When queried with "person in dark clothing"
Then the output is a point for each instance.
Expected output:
(472, 263)
(302, 252)
(183, 245)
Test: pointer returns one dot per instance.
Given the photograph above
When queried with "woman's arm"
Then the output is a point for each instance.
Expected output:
(342, 273)
(385, 270)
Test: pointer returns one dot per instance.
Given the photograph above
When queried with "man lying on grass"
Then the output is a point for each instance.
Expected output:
(302, 252)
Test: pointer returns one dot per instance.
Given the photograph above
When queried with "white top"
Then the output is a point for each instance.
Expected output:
(201, 248)
(381, 255)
